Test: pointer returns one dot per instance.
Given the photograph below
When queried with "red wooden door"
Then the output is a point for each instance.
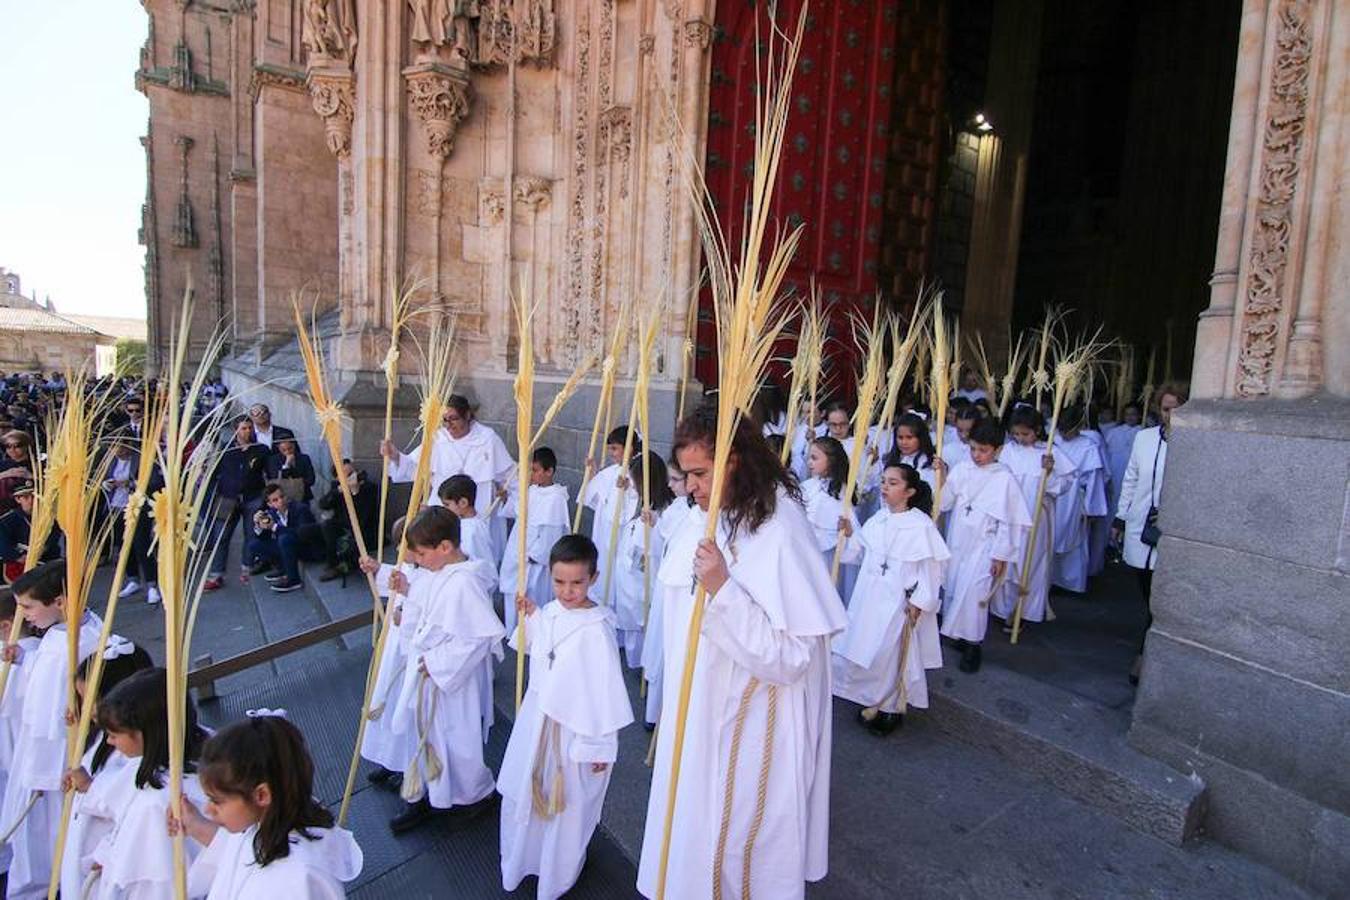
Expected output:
(833, 168)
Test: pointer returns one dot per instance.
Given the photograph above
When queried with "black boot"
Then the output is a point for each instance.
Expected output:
(885, 723)
(381, 776)
(412, 816)
(970, 658)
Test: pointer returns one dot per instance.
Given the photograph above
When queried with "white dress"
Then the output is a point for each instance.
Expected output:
(1086, 498)
(547, 521)
(137, 854)
(988, 520)
(765, 650)
(92, 817)
(560, 733)
(456, 633)
(823, 512)
(903, 557)
(653, 651)
(39, 759)
(632, 591)
(603, 495)
(1024, 463)
(315, 867)
(382, 744)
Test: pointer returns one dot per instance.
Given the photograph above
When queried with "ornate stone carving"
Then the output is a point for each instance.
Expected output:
(329, 29)
(674, 9)
(576, 211)
(491, 205)
(616, 132)
(332, 92)
(698, 33)
(184, 232)
(274, 76)
(1281, 165)
(440, 96)
(533, 191)
(528, 26)
(439, 23)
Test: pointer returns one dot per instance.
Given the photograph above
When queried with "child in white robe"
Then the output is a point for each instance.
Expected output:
(986, 534)
(267, 838)
(11, 704)
(565, 740)
(912, 444)
(652, 652)
(100, 794)
(894, 610)
(135, 859)
(388, 749)
(459, 494)
(822, 496)
(32, 804)
(446, 676)
(639, 550)
(548, 520)
(606, 489)
(956, 440)
(1082, 501)
(1024, 456)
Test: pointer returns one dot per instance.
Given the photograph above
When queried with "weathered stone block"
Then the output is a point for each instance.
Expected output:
(1276, 614)
(1292, 733)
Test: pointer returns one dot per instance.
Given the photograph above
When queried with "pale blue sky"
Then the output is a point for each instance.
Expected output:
(72, 171)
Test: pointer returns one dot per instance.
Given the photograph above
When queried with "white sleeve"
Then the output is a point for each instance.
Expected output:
(603, 749)
(1127, 484)
(740, 628)
(405, 467)
(450, 663)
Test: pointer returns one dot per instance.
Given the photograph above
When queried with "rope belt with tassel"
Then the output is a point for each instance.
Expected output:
(418, 776)
(548, 804)
(761, 788)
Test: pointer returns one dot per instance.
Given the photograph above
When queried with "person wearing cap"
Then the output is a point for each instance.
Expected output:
(15, 527)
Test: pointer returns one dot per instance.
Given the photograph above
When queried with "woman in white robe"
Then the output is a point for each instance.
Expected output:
(639, 544)
(1025, 458)
(986, 533)
(567, 731)
(1075, 506)
(463, 447)
(760, 684)
(900, 582)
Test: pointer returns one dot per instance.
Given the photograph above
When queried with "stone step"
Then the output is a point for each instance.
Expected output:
(337, 600)
(1077, 745)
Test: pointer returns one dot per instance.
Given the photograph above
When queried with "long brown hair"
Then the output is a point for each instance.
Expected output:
(750, 496)
(267, 750)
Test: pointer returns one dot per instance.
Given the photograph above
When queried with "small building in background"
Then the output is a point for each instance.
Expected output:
(34, 337)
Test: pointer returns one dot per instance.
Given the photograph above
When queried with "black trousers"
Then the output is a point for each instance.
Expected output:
(1145, 577)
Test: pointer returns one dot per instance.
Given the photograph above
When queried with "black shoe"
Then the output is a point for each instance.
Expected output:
(381, 775)
(649, 727)
(274, 577)
(285, 586)
(970, 658)
(330, 574)
(885, 723)
(462, 816)
(260, 568)
(414, 814)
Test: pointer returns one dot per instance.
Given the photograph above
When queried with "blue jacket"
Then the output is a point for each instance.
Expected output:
(241, 473)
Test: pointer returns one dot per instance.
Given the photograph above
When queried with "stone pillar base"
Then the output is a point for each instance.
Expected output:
(1246, 676)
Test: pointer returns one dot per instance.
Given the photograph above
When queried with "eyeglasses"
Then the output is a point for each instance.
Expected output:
(14, 446)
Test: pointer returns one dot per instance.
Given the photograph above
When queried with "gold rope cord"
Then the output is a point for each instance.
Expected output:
(761, 791)
(547, 805)
(719, 857)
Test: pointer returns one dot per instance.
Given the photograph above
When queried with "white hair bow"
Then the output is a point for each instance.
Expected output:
(915, 412)
(117, 646)
(264, 711)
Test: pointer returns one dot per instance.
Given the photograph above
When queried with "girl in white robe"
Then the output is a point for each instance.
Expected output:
(135, 859)
(769, 616)
(446, 675)
(653, 638)
(639, 544)
(547, 521)
(609, 488)
(388, 749)
(1025, 458)
(900, 582)
(32, 804)
(912, 445)
(822, 497)
(100, 794)
(267, 838)
(565, 740)
(1073, 508)
(986, 534)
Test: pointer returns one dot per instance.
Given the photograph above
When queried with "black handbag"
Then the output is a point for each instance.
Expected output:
(1151, 533)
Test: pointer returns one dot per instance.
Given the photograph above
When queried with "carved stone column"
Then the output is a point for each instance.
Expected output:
(332, 90)
(1276, 297)
(440, 96)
